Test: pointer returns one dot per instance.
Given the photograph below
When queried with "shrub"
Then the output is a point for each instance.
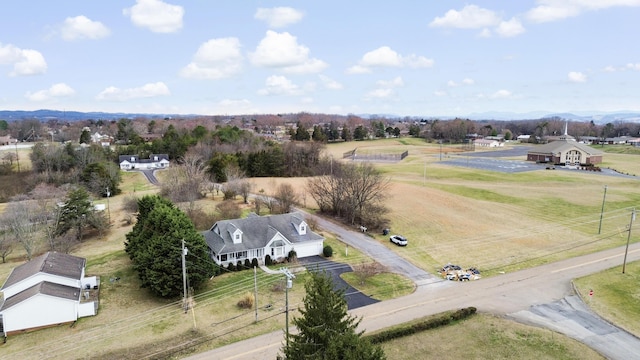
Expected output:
(231, 267)
(130, 204)
(268, 261)
(292, 256)
(254, 263)
(247, 264)
(327, 251)
(246, 302)
(239, 266)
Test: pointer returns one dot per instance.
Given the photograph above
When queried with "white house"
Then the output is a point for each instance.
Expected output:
(259, 237)
(155, 161)
(487, 143)
(49, 290)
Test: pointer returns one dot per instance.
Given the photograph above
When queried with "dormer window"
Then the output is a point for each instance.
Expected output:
(238, 237)
(133, 159)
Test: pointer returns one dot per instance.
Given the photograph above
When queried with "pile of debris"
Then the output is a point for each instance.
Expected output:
(456, 273)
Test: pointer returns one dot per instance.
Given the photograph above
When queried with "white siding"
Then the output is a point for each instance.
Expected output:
(39, 310)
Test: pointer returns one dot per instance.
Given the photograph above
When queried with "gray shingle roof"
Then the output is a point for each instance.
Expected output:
(257, 232)
(44, 287)
(564, 145)
(53, 263)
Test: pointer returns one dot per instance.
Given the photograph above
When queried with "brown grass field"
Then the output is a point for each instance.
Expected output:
(497, 222)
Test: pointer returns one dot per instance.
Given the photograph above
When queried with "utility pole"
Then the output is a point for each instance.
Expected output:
(602, 210)
(626, 250)
(185, 304)
(255, 291)
(289, 284)
(108, 209)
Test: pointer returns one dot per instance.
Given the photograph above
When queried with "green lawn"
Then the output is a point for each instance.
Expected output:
(615, 295)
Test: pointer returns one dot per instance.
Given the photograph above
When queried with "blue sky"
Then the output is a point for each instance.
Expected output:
(403, 57)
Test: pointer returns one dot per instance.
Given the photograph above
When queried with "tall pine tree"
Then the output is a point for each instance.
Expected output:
(325, 330)
(155, 245)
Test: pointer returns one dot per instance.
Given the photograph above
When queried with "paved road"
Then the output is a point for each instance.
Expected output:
(571, 317)
(511, 295)
(151, 176)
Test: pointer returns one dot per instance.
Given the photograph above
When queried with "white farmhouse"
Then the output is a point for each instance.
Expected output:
(259, 237)
(49, 290)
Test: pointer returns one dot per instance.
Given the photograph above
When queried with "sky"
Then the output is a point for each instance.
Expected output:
(401, 57)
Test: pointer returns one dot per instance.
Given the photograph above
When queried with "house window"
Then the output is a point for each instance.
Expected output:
(302, 229)
(223, 257)
(237, 236)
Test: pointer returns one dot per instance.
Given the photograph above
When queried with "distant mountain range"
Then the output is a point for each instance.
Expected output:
(596, 117)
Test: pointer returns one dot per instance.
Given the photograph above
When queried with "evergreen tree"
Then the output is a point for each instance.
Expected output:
(85, 137)
(154, 246)
(325, 330)
(76, 213)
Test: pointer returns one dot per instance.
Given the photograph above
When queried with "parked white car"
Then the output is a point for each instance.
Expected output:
(398, 240)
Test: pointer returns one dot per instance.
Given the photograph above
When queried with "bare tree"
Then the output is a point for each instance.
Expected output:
(7, 241)
(22, 222)
(286, 198)
(365, 271)
(352, 192)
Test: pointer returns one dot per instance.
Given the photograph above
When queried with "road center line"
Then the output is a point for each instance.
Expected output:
(592, 262)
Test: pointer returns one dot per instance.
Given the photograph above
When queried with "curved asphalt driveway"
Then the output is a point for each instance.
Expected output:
(354, 298)
(392, 261)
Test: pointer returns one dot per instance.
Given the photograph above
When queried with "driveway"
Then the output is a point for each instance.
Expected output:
(354, 297)
(377, 251)
(150, 175)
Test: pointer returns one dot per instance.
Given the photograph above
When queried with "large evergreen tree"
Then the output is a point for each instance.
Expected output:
(325, 330)
(154, 246)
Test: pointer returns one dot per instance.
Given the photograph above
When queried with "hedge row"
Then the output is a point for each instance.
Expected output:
(427, 324)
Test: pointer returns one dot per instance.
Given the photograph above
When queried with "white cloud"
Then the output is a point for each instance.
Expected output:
(501, 94)
(329, 83)
(553, 10)
(24, 61)
(281, 50)
(148, 90)
(395, 82)
(358, 69)
(470, 17)
(609, 69)
(56, 90)
(632, 66)
(577, 77)
(485, 33)
(279, 16)
(156, 15)
(384, 56)
(510, 28)
(81, 27)
(440, 93)
(215, 59)
(279, 85)
(380, 93)
(465, 81)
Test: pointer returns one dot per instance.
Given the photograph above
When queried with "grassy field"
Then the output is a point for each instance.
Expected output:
(493, 221)
(487, 337)
(615, 295)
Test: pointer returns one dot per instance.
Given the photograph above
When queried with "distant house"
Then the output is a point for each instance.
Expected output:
(7, 140)
(133, 162)
(103, 140)
(259, 237)
(487, 143)
(49, 290)
(523, 137)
